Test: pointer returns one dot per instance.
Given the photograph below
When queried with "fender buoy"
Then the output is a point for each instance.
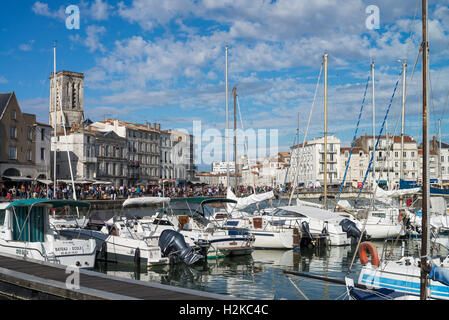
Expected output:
(401, 215)
(371, 248)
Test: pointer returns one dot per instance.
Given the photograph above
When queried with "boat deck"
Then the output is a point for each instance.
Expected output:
(22, 278)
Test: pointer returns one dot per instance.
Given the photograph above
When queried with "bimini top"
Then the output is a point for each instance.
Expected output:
(144, 201)
(48, 202)
(312, 212)
(218, 200)
(192, 199)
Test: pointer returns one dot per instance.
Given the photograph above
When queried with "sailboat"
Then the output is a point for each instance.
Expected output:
(423, 276)
(339, 228)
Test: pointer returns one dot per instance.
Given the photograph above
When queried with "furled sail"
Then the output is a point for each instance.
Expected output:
(242, 203)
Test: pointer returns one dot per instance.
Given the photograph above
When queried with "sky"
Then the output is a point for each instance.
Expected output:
(164, 61)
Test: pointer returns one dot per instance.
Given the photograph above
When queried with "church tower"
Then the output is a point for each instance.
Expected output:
(69, 98)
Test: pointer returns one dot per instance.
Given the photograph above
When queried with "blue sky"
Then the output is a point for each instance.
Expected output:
(153, 60)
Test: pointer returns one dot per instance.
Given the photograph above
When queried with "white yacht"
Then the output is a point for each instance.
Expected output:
(25, 231)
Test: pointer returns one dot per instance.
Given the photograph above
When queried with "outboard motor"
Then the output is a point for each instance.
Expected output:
(351, 229)
(173, 245)
(308, 239)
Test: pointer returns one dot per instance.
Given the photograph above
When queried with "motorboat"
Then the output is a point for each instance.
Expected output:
(118, 241)
(25, 231)
(187, 217)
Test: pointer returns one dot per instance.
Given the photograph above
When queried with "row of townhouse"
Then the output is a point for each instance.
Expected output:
(111, 150)
(350, 165)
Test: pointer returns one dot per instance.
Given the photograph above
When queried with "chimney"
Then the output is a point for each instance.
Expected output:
(154, 125)
(159, 126)
(148, 125)
(116, 124)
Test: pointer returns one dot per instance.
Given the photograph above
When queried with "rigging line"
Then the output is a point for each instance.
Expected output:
(305, 137)
(378, 137)
(245, 142)
(445, 105)
(353, 140)
(297, 288)
(412, 29)
(286, 173)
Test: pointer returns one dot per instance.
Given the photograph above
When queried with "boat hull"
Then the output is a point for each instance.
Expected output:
(400, 277)
(120, 250)
(71, 253)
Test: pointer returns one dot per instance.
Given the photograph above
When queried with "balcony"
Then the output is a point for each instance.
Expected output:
(329, 160)
(89, 159)
(334, 150)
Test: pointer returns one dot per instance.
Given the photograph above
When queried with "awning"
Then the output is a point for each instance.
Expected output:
(52, 203)
(145, 201)
(17, 178)
(75, 181)
(102, 182)
(44, 181)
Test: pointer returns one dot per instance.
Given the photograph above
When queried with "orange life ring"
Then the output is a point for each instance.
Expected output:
(371, 248)
(402, 214)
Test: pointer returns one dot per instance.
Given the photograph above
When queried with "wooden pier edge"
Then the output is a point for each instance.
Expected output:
(18, 284)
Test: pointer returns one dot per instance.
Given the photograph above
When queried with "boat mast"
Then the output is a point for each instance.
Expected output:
(425, 181)
(227, 122)
(54, 122)
(374, 128)
(404, 68)
(325, 131)
(234, 90)
(439, 154)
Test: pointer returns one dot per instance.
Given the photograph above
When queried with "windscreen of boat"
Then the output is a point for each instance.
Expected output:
(286, 213)
(192, 210)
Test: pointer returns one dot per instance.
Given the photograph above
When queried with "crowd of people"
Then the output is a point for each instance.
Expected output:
(110, 192)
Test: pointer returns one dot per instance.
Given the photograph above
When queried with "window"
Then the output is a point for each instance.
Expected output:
(13, 114)
(396, 154)
(12, 153)
(2, 217)
(28, 154)
(12, 132)
(42, 134)
(413, 154)
(29, 134)
(405, 154)
(42, 153)
(442, 158)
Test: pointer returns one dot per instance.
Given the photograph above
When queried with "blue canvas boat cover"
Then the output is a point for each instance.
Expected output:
(439, 274)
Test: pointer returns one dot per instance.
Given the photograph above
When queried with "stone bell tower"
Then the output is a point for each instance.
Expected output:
(69, 98)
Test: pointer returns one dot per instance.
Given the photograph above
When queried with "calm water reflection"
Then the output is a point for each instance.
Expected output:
(259, 276)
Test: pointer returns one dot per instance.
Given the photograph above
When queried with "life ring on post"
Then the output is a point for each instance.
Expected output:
(402, 215)
(371, 248)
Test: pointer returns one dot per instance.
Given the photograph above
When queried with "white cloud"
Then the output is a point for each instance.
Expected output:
(42, 9)
(27, 46)
(92, 40)
(100, 10)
